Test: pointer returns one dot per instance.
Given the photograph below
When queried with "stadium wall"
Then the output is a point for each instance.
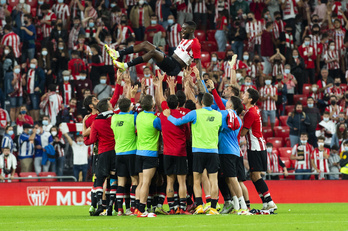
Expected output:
(78, 193)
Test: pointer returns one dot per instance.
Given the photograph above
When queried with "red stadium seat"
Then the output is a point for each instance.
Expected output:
(140, 68)
(200, 35)
(289, 108)
(283, 120)
(274, 150)
(282, 131)
(286, 162)
(228, 47)
(285, 152)
(306, 89)
(205, 57)
(221, 55)
(209, 46)
(32, 3)
(28, 174)
(267, 132)
(47, 174)
(211, 35)
(276, 141)
(287, 142)
(291, 177)
(205, 65)
(15, 175)
(302, 98)
(13, 3)
(344, 86)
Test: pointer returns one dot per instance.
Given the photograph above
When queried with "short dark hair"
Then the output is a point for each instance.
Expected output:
(304, 134)
(181, 97)
(200, 98)
(147, 103)
(191, 24)
(269, 24)
(172, 101)
(130, 39)
(334, 147)
(208, 99)
(235, 90)
(326, 113)
(52, 87)
(28, 16)
(190, 105)
(79, 135)
(8, 27)
(75, 52)
(45, 6)
(269, 144)
(103, 105)
(87, 102)
(321, 138)
(124, 104)
(310, 97)
(237, 104)
(6, 147)
(254, 95)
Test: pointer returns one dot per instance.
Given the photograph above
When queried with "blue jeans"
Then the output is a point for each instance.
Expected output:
(60, 165)
(302, 177)
(139, 33)
(16, 102)
(28, 53)
(35, 101)
(221, 40)
(237, 48)
(78, 169)
(294, 140)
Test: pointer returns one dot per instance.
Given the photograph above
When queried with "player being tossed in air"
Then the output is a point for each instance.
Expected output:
(188, 50)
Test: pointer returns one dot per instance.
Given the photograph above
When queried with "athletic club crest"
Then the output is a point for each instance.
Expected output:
(38, 195)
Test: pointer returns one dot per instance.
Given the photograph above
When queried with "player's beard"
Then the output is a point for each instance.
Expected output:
(186, 36)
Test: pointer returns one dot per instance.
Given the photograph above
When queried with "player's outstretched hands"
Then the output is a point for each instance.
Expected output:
(160, 76)
(166, 112)
(126, 78)
(196, 71)
(187, 72)
(171, 82)
(134, 90)
(119, 77)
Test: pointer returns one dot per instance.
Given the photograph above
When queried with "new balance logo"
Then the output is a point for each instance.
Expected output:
(211, 119)
(119, 124)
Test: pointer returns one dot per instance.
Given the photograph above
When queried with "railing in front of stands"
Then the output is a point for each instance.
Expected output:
(43, 178)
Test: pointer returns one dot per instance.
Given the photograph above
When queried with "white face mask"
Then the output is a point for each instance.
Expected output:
(314, 89)
(332, 47)
(326, 119)
(238, 75)
(269, 150)
(6, 52)
(268, 82)
(303, 141)
(141, 2)
(54, 133)
(320, 144)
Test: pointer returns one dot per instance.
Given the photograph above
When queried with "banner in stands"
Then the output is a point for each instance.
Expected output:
(78, 193)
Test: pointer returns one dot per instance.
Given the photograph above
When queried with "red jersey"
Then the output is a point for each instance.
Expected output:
(319, 160)
(174, 137)
(253, 122)
(151, 30)
(244, 88)
(221, 22)
(305, 151)
(173, 35)
(12, 39)
(309, 60)
(50, 16)
(188, 50)
(90, 120)
(268, 104)
(75, 66)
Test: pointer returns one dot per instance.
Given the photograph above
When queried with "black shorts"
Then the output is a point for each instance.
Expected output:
(125, 165)
(106, 163)
(228, 164)
(189, 157)
(145, 162)
(170, 66)
(241, 169)
(94, 163)
(203, 160)
(257, 161)
(175, 165)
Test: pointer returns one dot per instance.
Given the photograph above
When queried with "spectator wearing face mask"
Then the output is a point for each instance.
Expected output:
(269, 97)
(274, 163)
(301, 152)
(75, 31)
(277, 60)
(59, 32)
(89, 11)
(102, 90)
(215, 67)
(81, 84)
(8, 165)
(59, 146)
(62, 11)
(334, 163)
(66, 88)
(60, 61)
(334, 109)
(332, 59)
(51, 104)
(340, 135)
(290, 10)
(313, 114)
(8, 62)
(319, 158)
(28, 38)
(26, 148)
(297, 69)
(155, 33)
(291, 83)
(46, 123)
(297, 122)
(240, 66)
(140, 17)
(11, 39)
(7, 140)
(173, 34)
(247, 84)
(326, 128)
(308, 54)
(256, 71)
(97, 65)
(42, 139)
(23, 117)
(47, 22)
(267, 48)
(237, 35)
(337, 90)
(254, 31)
(68, 114)
(45, 62)
(282, 95)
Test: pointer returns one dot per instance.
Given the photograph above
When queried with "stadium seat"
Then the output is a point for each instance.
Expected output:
(306, 89)
(289, 108)
(267, 132)
(32, 3)
(344, 86)
(15, 175)
(287, 142)
(291, 177)
(276, 122)
(140, 68)
(275, 150)
(302, 98)
(47, 174)
(282, 131)
(200, 35)
(13, 3)
(28, 174)
(221, 55)
(211, 35)
(228, 47)
(285, 152)
(209, 46)
(286, 161)
(283, 120)
(276, 141)
(205, 57)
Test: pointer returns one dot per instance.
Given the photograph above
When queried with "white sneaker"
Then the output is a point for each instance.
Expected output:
(128, 212)
(264, 206)
(271, 206)
(228, 206)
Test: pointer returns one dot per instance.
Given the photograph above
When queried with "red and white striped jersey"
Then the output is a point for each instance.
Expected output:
(141, 17)
(75, 8)
(59, 149)
(12, 39)
(315, 96)
(62, 12)
(290, 9)
(51, 105)
(131, 2)
(254, 28)
(67, 93)
(322, 84)
(220, 6)
(272, 162)
(188, 8)
(253, 122)
(188, 49)
(305, 151)
(31, 81)
(50, 16)
(9, 164)
(244, 88)
(130, 57)
(227, 68)
(18, 85)
(268, 104)
(330, 55)
(278, 27)
(93, 14)
(336, 8)
(338, 36)
(151, 88)
(319, 160)
(254, 70)
(200, 7)
(126, 32)
(4, 118)
(338, 91)
(173, 35)
(334, 109)
(158, 10)
(289, 41)
(106, 58)
(278, 69)
(315, 40)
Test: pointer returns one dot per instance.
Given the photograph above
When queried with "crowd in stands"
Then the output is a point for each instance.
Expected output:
(294, 52)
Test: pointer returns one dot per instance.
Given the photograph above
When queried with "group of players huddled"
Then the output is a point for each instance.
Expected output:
(173, 145)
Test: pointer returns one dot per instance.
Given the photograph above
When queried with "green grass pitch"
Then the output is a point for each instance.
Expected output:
(290, 217)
